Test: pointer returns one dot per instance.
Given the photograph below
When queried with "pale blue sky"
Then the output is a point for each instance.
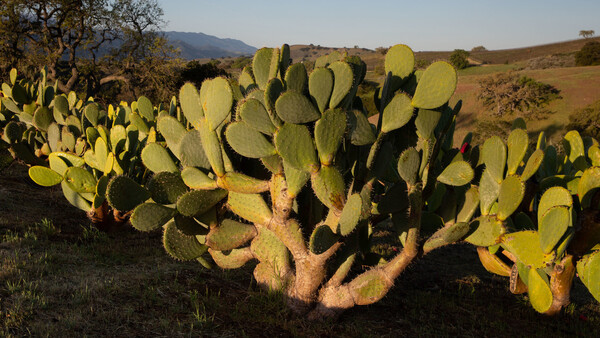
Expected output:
(421, 24)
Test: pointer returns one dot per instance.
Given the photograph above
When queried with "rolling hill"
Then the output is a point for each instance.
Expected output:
(200, 45)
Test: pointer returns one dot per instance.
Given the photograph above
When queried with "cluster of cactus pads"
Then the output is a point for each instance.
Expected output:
(283, 170)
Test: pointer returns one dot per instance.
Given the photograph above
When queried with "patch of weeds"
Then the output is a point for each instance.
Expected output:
(200, 314)
(91, 234)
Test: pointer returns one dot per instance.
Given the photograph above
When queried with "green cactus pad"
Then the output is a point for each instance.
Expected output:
(42, 118)
(397, 113)
(139, 123)
(436, 86)
(189, 98)
(573, 145)
(241, 183)
(151, 216)
(533, 164)
(494, 157)
(447, 235)
(44, 176)
(469, 206)
(181, 246)
(400, 61)
(272, 93)
(493, 263)
(268, 248)
(350, 215)
(322, 239)
(517, 147)
(145, 108)
(261, 65)
(197, 179)
(124, 194)
(251, 207)
(166, 187)
(190, 153)
(343, 80)
(296, 78)
(13, 132)
(233, 259)
(487, 231)
(540, 294)
(157, 159)
(295, 145)
(361, 131)
(368, 288)
(197, 202)
(320, 87)
(92, 113)
(512, 191)
(554, 196)
(295, 179)
(230, 235)
(294, 107)
(589, 182)
(524, 245)
(216, 98)
(212, 148)
(588, 269)
(552, 226)
(246, 80)
(80, 180)
(408, 165)
(328, 185)
(522, 221)
(254, 113)
(426, 122)
(247, 141)
(329, 131)
(457, 174)
(172, 130)
(74, 198)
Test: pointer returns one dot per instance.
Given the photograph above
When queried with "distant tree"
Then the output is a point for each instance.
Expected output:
(478, 49)
(422, 63)
(196, 72)
(89, 42)
(509, 92)
(586, 33)
(459, 58)
(381, 50)
(589, 55)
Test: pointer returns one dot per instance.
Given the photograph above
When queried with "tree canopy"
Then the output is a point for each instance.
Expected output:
(84, 43)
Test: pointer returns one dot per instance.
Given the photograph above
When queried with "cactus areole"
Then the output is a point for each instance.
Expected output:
(283, 171)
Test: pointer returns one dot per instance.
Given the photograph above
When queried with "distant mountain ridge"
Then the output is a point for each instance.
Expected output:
(200, 45)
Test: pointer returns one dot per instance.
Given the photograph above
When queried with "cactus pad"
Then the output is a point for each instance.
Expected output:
(294, 107)
(552, 226)
(44, 176)
(248, 142)
(457, 174)
(241, 183)
(124, 194)
(588, 269)
(533, 164)
(320, 86)
(181, 246)
(329, 131)
(197, 202)
(230, 235)
(322, 239)
(553, 197)
(328, 185)
(408, 165)
(80, 180)
(254, 113)
(157, 159)
(189, 99)
(512, 191)
(296, 78)
(342, 83)
(350, 215)
(251, 207)
(517, 147)
(166, 187)
(494, 157)
(397, 113)
(400, 61)
(436, 86)
(296, 147)
(216, 98)
(492, 263)
(540, 294)
(524, 246)
(589, 182)
(487, 231)
(151, 216)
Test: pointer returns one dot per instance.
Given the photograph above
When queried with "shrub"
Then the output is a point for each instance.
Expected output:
(196, 72)
(586, 120)
(459, 59)
(478, 49)
(509, 92)
(589, 55)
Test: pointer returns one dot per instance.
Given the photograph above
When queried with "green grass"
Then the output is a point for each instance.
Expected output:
(487, 69)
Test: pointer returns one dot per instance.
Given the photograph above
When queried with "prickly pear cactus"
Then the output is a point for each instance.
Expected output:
(537, 223)
(293, 175)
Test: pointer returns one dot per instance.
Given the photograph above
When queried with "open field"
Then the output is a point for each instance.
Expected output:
(59, 277)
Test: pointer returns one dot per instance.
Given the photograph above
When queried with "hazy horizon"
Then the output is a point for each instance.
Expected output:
(424, 26)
